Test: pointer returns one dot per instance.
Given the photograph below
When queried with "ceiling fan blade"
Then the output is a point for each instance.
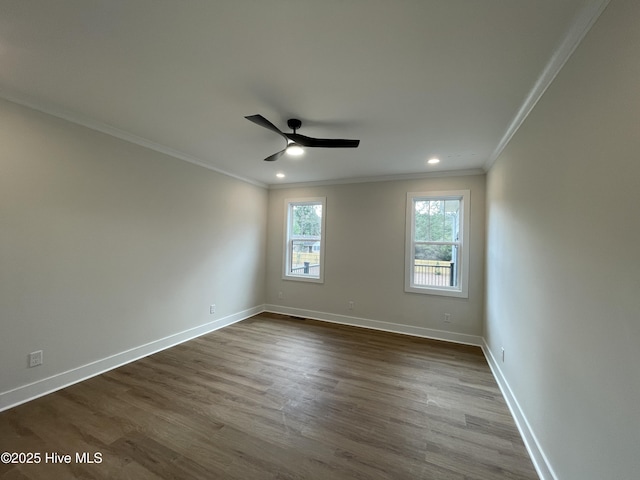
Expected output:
(275, 156)
(263, 122)
(322, 142)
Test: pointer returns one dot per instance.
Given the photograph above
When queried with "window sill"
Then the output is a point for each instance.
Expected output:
(444, 292)
(300, 278)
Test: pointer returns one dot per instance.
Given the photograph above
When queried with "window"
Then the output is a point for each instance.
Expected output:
(437, 243)
(304, 239)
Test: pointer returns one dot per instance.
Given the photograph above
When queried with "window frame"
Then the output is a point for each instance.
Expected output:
(462, 271)
(288, 219)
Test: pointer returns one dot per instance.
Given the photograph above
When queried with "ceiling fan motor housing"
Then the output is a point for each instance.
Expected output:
(294, 124)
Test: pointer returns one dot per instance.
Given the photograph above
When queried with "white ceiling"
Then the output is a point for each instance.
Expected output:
(410, 78)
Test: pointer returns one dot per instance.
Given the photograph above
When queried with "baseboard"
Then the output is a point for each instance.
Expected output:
(48, 385)
(378, 325)
(539, 459)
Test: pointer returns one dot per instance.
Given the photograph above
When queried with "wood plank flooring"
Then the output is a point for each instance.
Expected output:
(279, 398)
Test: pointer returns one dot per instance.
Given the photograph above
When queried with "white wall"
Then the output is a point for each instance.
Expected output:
(107, 246)
(563, 258)
(364, 261)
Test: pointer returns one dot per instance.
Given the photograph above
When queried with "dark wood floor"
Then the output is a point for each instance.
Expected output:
(277, 398)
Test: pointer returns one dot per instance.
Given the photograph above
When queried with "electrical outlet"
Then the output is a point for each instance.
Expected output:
(281, 295)
(351, 304)
(447, 318)
(212, 309)
(35, 358)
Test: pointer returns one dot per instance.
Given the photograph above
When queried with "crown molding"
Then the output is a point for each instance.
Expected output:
(581, 24)
(380, 178)
(112, 131)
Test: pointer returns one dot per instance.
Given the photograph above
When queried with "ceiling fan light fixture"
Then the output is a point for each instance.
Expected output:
(294, 149)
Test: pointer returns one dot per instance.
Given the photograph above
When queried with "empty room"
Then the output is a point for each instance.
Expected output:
(362, 239)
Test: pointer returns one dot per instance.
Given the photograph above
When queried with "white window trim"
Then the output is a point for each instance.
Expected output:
(286, 252)
(462, 290)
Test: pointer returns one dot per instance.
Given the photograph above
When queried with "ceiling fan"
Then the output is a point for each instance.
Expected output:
(295, 141)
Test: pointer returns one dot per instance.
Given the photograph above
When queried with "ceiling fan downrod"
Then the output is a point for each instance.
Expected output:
(294, 124)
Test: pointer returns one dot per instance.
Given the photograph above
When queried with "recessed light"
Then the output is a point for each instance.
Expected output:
(280, 175)
(433, 161)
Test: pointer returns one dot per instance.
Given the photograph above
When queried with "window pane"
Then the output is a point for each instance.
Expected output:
(436, 220)
(434, 265)
(305, 257)
(307, 220)
(451, 220)
(421, 209)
